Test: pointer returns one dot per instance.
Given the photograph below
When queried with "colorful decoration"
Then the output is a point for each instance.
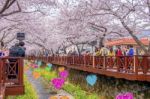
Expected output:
(64, 97)
(91, 79)
(36, 62)
(26, 68)
(60, 69)
(64, 74)
(37, 70)
(125, 96)
(59, 97)
(49, 65)
(39, 63)
(58, 83)
(53, 97)
(48, 69)
(34, 65)
(36, 75)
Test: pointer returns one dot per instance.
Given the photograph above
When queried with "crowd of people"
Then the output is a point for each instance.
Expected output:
(119, 51)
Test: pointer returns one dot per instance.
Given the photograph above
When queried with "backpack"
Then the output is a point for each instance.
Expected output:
(21, 52)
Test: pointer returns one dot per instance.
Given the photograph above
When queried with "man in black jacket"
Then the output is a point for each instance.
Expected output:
(15, 51)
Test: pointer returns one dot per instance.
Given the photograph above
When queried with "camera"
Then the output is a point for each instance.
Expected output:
(20, 36)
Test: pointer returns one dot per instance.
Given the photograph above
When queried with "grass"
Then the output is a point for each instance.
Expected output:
(78, 93)
(30, 92)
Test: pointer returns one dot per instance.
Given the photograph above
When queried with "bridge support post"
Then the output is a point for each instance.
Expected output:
(84, 59)
(73, 59)
(104, 62)
(135, 61)
(1, 71)
(93, 61)
(20, 69)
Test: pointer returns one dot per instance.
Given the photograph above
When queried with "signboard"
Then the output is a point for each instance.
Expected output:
(20, 36)
(93, 43)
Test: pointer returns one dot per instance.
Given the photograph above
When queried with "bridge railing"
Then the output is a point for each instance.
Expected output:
(11, 76)
(123, 64)
(11, 70)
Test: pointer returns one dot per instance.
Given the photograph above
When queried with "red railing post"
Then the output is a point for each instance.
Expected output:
(20, 71)
(93, 61)
(73, 59)
(126, 63)
(104, 62)
(118, 63)
(1, 71)
(84, 60)
(135, 64)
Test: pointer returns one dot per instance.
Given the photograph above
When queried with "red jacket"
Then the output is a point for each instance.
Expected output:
(119, 52)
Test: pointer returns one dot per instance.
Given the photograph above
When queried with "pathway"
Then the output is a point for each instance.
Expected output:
(41, 91)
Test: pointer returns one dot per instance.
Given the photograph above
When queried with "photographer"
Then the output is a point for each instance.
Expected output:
(15, 51)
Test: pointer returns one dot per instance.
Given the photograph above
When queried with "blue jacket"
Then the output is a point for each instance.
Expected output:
(131, 52)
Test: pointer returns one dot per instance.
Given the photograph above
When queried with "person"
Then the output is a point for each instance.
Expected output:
(87, 53)
(127, 50)
(21, 49)
(2, 54)
(111, 52)
(6, 52)
(18, 50)
(97, 53)
(119, 55)
(103, 51)
(119, 52)
(141, 52)
(131, 51)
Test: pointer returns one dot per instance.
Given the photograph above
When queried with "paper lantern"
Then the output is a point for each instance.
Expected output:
(53, 97)
(64, 74)
(58, 83)
(49, 65)
(64, 97)
(36, 75)
(60, 69)
(91, 79)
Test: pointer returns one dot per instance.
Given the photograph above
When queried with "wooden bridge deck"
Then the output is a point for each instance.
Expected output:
(126, 67)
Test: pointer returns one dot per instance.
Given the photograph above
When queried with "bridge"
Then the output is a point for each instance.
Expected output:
(126, 67)
(11, 77)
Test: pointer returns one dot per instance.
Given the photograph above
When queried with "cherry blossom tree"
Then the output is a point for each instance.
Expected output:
(121, 17)
(54, 25)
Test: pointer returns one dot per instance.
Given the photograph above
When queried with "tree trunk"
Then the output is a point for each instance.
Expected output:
(78, 49)
(101, 41)
(134, 37)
